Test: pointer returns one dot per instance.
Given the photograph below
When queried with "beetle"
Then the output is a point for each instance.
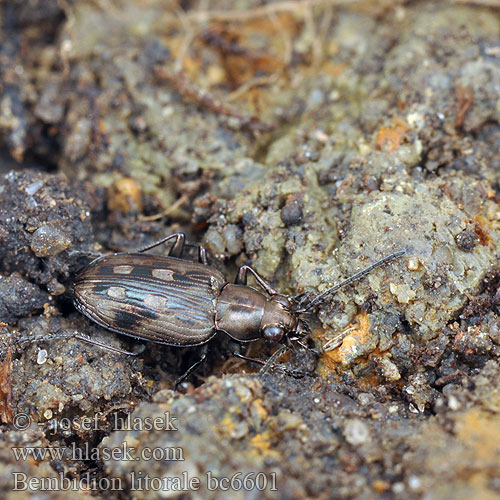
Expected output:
(177, 302)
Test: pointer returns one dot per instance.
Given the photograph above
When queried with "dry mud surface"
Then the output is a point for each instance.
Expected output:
(306, 139)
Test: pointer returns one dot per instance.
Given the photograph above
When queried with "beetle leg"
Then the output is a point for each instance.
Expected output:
(202, 255)
(241, 279)
(270, 362)
(192, 368)
(178, 246)
(84, 338)
(236, 347)
(176, 249)
(77, 336)
(238, 354)
(269, 365)
(314, 350)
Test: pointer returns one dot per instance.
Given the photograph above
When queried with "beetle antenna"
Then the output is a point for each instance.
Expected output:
(269, 364)
(318, 299)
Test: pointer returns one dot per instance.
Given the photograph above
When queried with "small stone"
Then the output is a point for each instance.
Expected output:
(214, 242)
(410, 390)
(78, 140)
(413, 408)
(239, 431)
(125, 196)
(55, 288)
(33, 187)
(50, 106)
(467, 240)
(413, 263)
(48, 241)
(365, 398)
(42, 356)
(398, 487)
(390, 370)
(380, 485)
(291, 214)
(234, 239)
(414, 482)
(403, 293)
(453, 403)
(356, 432)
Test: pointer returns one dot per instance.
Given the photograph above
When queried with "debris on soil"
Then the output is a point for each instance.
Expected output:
(19, 298)
(308, 140)
(42, 219)
(6, 411)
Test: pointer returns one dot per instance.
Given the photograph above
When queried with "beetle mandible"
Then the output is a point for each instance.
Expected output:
(177, 302)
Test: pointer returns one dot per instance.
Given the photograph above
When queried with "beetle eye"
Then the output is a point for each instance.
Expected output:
(273, 333)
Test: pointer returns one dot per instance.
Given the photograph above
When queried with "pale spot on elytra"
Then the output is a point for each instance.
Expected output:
(123, 269)
(214, 284)
(116, 292)
(156, 302)
(163, 274)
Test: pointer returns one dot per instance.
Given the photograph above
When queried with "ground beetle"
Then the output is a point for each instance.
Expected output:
(178, 302)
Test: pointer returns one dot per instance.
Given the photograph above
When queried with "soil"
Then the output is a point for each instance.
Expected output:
(308, 140)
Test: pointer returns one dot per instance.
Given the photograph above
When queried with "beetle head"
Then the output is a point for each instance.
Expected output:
(278, 319)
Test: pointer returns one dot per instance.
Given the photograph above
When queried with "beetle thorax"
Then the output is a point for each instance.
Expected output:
(244, 313)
